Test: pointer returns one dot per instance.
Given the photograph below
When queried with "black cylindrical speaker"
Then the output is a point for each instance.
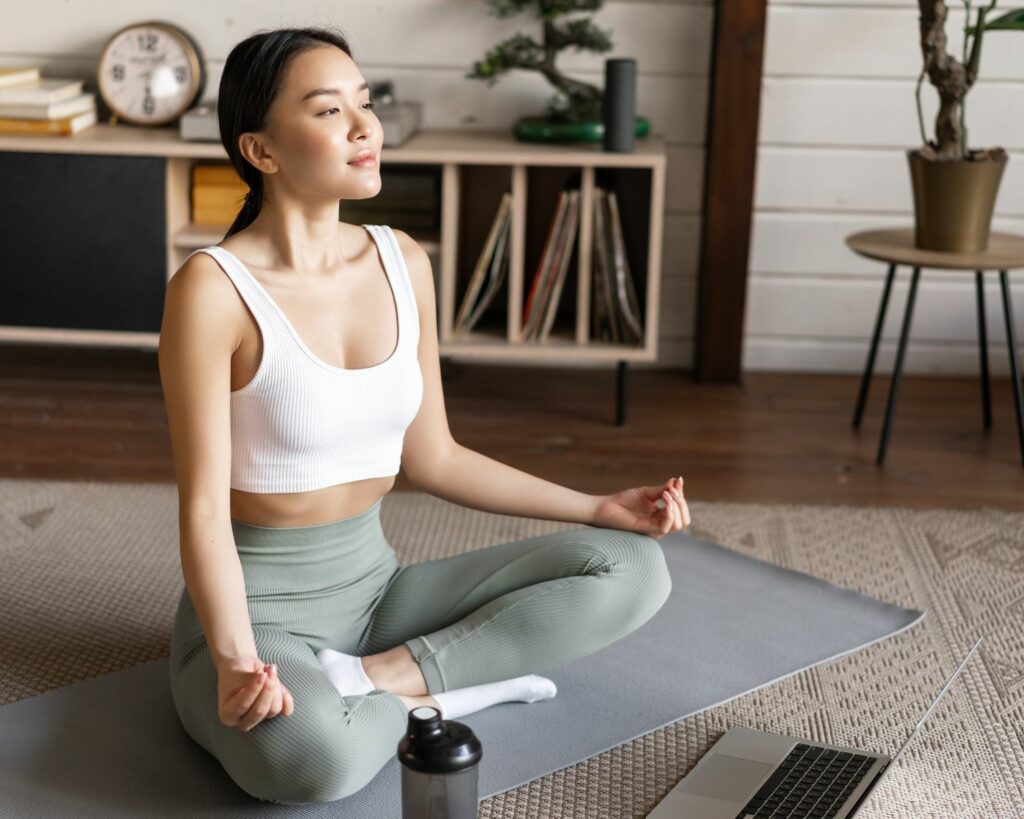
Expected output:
(619, 104)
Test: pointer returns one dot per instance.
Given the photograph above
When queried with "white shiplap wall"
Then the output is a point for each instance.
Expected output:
(837, 114)
(425, 47)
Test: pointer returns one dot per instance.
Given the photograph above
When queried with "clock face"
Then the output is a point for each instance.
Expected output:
(149, 73)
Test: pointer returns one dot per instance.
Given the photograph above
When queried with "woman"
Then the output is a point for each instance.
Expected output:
(297, 379)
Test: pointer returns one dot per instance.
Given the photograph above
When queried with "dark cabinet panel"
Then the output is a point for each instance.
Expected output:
(83, 242)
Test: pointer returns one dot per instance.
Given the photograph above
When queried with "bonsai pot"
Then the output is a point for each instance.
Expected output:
(546, 129)
(954, 199)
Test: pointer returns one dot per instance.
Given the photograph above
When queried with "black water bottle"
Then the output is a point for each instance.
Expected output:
(440, 767)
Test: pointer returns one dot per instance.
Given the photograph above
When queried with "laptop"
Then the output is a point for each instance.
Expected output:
(750, 773)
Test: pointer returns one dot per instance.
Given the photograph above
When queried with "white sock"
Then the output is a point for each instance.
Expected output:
(345, 671)
(461, 701)
(347, 675)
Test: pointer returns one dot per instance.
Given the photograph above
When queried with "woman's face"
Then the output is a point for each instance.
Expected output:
(313, 136)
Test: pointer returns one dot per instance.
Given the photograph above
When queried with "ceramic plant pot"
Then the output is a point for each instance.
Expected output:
(542, 129)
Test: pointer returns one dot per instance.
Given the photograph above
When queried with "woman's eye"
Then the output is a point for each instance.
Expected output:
(368, 106)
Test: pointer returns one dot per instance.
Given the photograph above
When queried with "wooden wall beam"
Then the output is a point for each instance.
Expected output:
(730, 161)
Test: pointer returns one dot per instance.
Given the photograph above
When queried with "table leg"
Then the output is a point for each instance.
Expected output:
(1011, 341)
(898, 366)
(865, 381)
(986, 397)
(620, 394)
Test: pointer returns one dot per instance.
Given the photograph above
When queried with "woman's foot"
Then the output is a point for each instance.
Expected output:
(461, 701)
(345, 671)
(349, 676)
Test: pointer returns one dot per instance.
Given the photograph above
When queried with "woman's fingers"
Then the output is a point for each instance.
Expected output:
(677, 504)
(275, 709)
(244, 698)
(684, 510)
(670, 515)
(258, 710)
(247, 698)
(676, 514)
(289, 703)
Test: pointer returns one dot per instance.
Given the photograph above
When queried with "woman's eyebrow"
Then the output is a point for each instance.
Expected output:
(330, 91)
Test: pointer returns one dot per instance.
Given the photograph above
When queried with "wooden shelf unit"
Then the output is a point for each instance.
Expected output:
(476, 168)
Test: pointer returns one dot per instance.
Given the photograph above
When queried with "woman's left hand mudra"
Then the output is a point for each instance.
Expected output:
(636, 510)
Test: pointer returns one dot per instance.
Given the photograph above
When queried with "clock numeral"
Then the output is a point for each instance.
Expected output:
(181, 74)
(148, 41)
(117, 71)
(148, 105)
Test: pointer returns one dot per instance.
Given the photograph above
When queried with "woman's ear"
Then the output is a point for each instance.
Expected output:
(253, 146)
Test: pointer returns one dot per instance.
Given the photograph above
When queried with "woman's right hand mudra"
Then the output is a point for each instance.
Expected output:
(249, 692)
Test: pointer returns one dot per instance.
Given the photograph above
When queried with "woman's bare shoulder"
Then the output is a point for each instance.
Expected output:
(201, 276)
(200, 291)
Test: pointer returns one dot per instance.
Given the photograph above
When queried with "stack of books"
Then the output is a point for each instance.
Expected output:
(31, 104)
(218, 193)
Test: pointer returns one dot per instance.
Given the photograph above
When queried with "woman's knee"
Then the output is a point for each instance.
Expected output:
(290, 767)
(327, 755)
(326, 749)
(639, 562)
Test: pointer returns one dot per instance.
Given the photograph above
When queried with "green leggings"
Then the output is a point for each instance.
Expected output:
(489, 614)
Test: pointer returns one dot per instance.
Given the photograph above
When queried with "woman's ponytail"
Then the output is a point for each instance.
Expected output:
(250, 208)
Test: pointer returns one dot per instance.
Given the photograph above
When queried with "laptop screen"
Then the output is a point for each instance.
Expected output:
(920, 722)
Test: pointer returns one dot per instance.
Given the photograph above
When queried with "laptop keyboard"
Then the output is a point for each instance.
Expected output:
(811, 782)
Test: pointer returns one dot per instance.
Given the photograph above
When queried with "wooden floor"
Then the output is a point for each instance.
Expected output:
(72, 413)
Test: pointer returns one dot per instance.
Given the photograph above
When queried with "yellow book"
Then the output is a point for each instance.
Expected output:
(65, 126)
(219, 174)
(214, 216)
(218, 196)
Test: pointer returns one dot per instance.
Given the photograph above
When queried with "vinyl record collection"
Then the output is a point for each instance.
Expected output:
(614, 309)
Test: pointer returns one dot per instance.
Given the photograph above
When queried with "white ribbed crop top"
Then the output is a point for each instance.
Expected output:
(302, 424)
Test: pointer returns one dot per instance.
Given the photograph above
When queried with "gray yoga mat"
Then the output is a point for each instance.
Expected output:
(112, 746)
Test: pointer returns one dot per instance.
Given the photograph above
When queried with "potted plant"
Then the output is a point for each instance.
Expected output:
(955, 188)
(575, 114)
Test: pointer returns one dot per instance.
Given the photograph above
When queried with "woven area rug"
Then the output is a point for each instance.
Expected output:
(96, 591)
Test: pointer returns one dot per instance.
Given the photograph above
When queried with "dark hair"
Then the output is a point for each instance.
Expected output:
(250, 81)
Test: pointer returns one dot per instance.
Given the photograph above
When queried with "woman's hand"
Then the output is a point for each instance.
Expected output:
(636, 510)
(248, 692)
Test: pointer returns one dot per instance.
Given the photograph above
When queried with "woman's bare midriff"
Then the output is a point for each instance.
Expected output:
(376, 330)
(309, 508)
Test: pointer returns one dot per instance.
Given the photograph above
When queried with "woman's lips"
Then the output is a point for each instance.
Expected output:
(365, 162)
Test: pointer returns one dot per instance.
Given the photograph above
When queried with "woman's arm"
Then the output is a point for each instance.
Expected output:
(216, 586)
(197, 339)
(435, 462)
(472, 479)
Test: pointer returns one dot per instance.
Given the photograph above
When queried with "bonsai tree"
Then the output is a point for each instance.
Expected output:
(953, 78)
(579, 101)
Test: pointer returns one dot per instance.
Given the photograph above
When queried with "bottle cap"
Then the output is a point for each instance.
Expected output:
(435, 745)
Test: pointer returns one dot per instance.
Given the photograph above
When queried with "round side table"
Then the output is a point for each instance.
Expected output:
(896, 246)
